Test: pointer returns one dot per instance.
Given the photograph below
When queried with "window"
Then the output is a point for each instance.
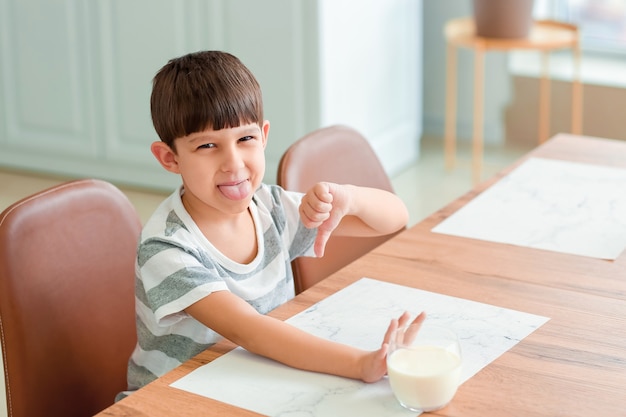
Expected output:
(602, 22)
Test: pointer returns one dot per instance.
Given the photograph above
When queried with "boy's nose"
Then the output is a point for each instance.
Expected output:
(232, 159)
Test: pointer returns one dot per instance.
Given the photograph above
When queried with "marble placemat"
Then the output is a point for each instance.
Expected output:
(549, 204)
(358, 315)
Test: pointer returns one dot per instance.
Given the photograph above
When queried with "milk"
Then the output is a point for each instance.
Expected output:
(424, 378)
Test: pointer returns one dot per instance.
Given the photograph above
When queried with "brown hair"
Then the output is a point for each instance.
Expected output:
(203, 90)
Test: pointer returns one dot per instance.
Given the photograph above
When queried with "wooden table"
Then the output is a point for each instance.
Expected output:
(545, 36)
(574, 365)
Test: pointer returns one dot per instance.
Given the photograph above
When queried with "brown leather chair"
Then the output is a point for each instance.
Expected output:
(337, 154)
(67, 317)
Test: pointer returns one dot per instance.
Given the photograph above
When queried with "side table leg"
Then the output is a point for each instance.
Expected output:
(477, 141)
(577, 95)
(544, 99)
(451, 105)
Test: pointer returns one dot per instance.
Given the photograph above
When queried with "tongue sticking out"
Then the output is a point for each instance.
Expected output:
(237, 191)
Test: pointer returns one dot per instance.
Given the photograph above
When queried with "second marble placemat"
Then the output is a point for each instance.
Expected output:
(548, 204)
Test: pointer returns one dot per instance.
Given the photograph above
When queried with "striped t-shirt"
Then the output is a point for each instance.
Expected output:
(177, 266)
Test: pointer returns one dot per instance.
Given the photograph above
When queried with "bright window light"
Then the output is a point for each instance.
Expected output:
(602, 22)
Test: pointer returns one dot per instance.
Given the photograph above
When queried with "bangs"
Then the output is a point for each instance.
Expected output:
(220, 109)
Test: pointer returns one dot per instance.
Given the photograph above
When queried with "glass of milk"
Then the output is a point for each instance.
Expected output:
(424, 366)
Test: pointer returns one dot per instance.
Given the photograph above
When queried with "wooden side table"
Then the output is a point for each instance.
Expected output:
(545, 36)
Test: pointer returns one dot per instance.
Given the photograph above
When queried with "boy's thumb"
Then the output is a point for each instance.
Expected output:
(320, 242)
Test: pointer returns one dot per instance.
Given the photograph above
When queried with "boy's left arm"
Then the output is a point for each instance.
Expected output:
(348, 210)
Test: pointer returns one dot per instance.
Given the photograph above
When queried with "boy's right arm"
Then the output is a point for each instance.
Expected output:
(236, 320)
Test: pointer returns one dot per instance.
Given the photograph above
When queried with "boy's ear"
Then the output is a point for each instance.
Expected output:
(266, 130)
(166, 156)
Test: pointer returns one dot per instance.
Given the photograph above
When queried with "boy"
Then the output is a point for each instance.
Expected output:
(215, 256)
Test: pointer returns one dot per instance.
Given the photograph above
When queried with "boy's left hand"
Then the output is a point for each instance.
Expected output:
(375, 363)
(323, 206)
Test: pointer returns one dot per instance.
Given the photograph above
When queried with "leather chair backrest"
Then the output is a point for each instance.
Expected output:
(337, 154)
(67, 317)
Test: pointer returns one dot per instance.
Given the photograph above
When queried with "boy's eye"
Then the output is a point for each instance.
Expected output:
(246, 138)
(206, 145)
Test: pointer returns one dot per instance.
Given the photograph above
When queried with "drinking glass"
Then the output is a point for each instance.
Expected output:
(424, 366)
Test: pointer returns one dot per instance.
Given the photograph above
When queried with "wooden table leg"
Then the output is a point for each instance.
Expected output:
(451, 105)
(477, 141)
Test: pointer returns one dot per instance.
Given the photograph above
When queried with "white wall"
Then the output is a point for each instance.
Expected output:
(371, 73)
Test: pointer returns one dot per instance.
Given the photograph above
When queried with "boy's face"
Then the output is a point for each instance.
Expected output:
(220, 169)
